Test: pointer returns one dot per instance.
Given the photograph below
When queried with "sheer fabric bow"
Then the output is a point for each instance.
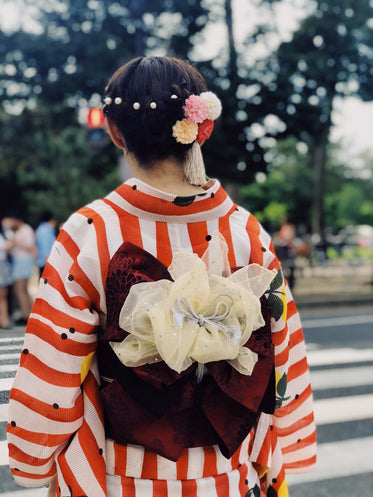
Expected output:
(205, 314)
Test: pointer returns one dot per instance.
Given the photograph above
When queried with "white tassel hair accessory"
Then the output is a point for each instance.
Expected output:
(194, 167)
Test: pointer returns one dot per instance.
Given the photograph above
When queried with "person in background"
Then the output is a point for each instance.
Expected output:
(284, 245)
(165, 355)
(5, 275)
(45, 236)
(23, 254)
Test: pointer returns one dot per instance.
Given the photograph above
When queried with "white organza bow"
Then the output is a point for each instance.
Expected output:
(205, 314)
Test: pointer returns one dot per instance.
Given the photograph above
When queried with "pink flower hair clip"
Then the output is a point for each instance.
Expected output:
(200, 111)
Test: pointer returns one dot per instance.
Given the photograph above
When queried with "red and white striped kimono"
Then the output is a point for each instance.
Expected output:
(55, 426)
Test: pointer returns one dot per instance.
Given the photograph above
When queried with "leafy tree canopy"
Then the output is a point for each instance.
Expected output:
(286, 191)
(61, 59)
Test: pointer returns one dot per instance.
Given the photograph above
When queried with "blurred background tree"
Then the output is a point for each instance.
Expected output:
(278, 91)
(54, 67)
(330, 56)
(286, 191)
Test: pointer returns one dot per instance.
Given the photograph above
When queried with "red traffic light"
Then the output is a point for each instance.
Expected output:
(95, 118)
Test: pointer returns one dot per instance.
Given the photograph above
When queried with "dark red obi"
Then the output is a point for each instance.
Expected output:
(165, 411)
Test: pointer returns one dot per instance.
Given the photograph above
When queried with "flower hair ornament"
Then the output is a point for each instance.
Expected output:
(200, 111)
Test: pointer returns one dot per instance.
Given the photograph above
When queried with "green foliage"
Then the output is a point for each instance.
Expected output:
(329, 56)
(48, 76)
(318, 64)
(80, 44)
(349, 253)
(274, 214)
(346, 205)
(357, 253)
(52, 167)
(287, 190)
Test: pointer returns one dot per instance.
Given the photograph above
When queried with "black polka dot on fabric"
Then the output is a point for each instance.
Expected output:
(25, 351)
(297, 396)
(271, 427)
(274, 480)
(134, 187)
(90, 220)
(208, 238)
(13, 423)
(55, 406)
(212, 195)
(246, 482)
(72, 330)
(298, 440)
(45, 281)
(263, 249)
(16, 469)
(70, 277)
(100, 451)
(63, 336)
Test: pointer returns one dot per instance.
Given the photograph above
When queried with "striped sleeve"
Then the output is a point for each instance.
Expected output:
(46, 403)
(294, 417)
(293, 421)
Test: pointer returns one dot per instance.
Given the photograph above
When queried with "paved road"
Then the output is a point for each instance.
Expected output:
(340, 353)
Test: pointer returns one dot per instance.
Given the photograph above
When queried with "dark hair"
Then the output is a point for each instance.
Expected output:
(46, 216)
(147, 131)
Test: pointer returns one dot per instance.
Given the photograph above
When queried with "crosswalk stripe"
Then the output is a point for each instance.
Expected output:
(11, 339)
(339, 409)
(29, 492)
(6, 383)
(3, 453)
(342, 378)
(9, 356)
(14, 346)
(346, 460)
(337, 321)
(338, 356)
(8, 368)
(3, 412)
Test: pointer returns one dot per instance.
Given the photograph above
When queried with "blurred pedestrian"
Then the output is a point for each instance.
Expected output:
(150, 350)
(45, 236)
(284, 240)
(23, 262)
(5, 277)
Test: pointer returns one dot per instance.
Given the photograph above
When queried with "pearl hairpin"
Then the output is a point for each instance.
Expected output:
(118, 100)
(153, 105)
(136, 105)
(108, 100)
